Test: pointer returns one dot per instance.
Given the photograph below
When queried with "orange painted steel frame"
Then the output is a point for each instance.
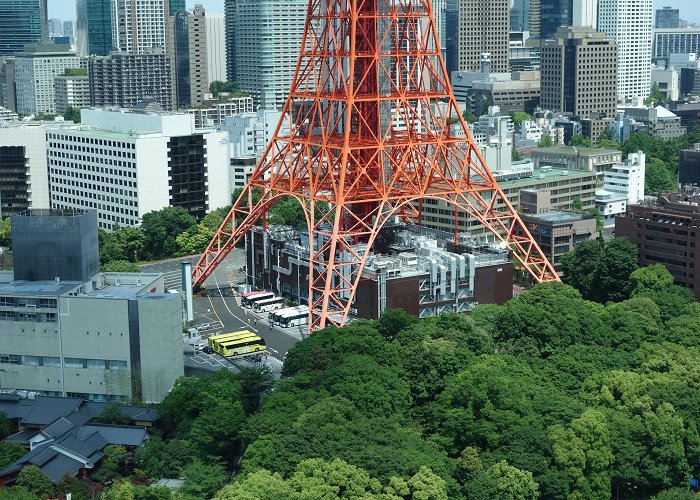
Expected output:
(369, 115)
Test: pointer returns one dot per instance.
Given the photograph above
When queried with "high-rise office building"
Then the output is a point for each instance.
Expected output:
(175, 6)
(55, 27)
(216, 47)
(629, 23)
(128, 163)
(93, 27)
(483, 28)
(585, 13)
(187, 49)
(68, 29)
(22, 22)
(667, 18)
(24, 179)
(452, 35)
(553, 14)
(138, 26)
(35, 71)
(125, 79)
(265, 36)
(669, 41)
(579, 76)
(230, 20)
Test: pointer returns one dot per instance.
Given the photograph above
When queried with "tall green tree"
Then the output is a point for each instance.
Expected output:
(161, 228)
(583, 450)
(580, 141)
(5, 233)
(33, 479)
(601, 270)
(657, 177)
(518, 117)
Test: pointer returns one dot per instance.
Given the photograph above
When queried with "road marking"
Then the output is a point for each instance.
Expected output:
(229, 310)
(272, 350)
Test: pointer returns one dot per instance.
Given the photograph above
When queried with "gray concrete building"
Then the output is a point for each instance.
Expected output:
(123, 79)
(579, 76)
(595, 160)
(110, 337)
(564, 187)
(187, 48)
(484, 27)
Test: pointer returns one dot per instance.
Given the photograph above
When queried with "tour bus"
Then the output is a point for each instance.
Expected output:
(294, 319)
(249, 299)
(274, 316)
(238, 336)
(242, 345)
(215, 340)
(269, 304)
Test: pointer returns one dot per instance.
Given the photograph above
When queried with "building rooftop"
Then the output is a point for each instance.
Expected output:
(38, 288)
(555, 216)
(543, 174)
(578, 151)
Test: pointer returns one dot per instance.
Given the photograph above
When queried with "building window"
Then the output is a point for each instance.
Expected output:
(52, 361)
(116, 365)
(31, 360)
(96, 364)
(74, 363)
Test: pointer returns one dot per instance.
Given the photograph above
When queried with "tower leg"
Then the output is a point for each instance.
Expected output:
(250, 208)
(339, 246)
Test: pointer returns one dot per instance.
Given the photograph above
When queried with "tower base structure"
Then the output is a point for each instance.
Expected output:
(372, 130)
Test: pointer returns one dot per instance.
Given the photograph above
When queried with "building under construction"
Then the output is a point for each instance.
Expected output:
(409, 267)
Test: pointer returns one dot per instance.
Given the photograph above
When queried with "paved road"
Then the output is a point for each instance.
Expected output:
(221, 309)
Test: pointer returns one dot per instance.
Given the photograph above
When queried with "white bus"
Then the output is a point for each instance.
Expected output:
(274, 316)
(268, 304)
(294, 318)
(250, 300)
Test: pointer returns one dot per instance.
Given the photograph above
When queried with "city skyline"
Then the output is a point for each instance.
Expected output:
(65, 9)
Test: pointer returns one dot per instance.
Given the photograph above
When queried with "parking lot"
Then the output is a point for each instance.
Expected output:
(219, 312)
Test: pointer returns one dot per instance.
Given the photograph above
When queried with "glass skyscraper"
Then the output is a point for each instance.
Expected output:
(22, 22)
(94, 27)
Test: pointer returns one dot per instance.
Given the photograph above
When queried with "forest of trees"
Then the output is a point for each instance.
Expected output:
(563, 392)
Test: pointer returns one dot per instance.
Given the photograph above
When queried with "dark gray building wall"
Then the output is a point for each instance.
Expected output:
(48, 245)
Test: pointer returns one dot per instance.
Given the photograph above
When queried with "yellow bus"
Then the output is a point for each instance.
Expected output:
(244, 345)
(215, 340)
(232, 340)
(244, 335)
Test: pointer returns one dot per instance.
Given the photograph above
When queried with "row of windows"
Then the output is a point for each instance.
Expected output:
(24, 302)
(55, 361)
(91, 140)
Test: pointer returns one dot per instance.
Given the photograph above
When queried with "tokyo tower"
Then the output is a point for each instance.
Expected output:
(372, 128)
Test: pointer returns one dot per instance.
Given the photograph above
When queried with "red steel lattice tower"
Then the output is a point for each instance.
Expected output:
(369, 127)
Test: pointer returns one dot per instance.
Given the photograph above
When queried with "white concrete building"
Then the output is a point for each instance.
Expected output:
(216, 46)
(24, 179)
(125, 164)
(138, 26)
(629, 22)
(627, 178)
(35, 72)
(214, 113)
(249, 134)
(71, 91)
(610, 205)
(667, 80)
(267, 38)
(585, 13)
